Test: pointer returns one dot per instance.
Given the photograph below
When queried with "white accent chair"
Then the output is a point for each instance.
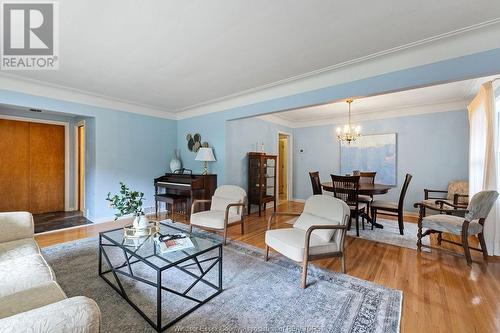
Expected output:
(31, 300)
(226, 209)
(318, 233)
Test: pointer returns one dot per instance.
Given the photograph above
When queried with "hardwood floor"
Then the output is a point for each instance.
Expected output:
(440, 292)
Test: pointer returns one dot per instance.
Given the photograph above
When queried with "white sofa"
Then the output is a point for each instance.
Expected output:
(31, 300)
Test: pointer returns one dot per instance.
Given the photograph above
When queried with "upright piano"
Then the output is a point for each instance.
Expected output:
(189, 186)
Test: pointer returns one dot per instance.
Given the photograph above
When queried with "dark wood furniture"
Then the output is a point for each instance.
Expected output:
(184, 186)
(392, 208)
(364, 189)
(457, 199)
(346, 188)
(366, 177)
(172, 201)
(315, 182)
(261, 180)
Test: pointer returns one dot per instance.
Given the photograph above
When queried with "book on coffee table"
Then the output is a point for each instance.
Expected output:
(178, 242)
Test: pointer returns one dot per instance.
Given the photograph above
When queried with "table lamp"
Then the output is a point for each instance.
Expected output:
(205, 155)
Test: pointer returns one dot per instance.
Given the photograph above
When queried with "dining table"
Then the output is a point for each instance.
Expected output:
(364, 189)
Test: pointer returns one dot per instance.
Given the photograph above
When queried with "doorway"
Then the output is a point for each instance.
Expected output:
(284, 167)
(80, 164)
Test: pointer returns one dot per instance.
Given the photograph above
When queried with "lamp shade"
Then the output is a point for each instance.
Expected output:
(205, 155)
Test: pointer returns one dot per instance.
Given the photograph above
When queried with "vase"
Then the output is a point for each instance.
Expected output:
(175, 162)
(140, 222)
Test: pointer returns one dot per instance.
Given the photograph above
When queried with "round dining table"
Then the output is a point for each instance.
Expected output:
(364, 189)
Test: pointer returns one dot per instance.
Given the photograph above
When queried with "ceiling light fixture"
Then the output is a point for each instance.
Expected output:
(348, 133)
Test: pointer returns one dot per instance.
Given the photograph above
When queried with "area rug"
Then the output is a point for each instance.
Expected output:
(390, 234)
(258, 296)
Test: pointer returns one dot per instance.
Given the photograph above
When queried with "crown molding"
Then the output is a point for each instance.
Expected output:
(375, 114)
(465, 41)
(38, 88)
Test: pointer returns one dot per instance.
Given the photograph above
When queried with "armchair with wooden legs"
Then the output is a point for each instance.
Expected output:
(472, 224)
(227, 208)
(318, 233)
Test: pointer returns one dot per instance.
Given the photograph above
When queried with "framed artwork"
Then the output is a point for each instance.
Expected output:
(371, 153)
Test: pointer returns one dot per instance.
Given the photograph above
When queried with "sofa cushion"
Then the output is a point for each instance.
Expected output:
(221, 203)
(212, 219)
(306, 220)
(23, 273)
(18, 248)
(290, 242)
(29, 299)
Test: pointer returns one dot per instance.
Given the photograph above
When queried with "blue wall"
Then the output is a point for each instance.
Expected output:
(242, 136)
(432, 147)
(122, 146)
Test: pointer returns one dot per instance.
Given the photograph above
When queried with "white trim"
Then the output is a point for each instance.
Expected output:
(77, 166)
(66, 149)
(289, 170)
(374, 114)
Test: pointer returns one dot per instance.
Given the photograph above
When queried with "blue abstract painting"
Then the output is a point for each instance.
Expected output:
(371, 153)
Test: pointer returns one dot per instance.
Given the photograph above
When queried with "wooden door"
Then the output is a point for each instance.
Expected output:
(31, 167)
(14, 165)
(46, 168)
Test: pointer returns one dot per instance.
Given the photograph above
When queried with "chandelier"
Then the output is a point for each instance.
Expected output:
(348, 133)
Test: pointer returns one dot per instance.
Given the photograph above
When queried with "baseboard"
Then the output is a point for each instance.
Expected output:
(297, 200)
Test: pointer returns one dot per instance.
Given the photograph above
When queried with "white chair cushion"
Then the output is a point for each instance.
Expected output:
(23, 273)
(290, 243)
(31, 299)
(18, 248)
(450, 224)
(380, 204)
(306, 220)
(221, 203)
(212, 219)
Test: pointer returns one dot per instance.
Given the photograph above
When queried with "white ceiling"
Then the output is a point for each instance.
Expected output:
(172, 55)
(439, 98)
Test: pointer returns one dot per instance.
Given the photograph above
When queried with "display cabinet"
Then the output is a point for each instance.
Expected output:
(261, 180)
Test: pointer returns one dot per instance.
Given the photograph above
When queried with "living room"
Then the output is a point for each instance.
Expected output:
(292, 168)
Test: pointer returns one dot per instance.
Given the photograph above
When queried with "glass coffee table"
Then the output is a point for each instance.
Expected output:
(132, 262)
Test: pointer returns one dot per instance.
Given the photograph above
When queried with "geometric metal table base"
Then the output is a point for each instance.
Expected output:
(131, 257)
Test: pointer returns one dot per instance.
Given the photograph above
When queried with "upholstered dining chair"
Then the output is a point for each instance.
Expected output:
(318, 233)
(472, 224)
(392, 208)
(346, 188)
(456, 194)
(315, 182)
(226, 209)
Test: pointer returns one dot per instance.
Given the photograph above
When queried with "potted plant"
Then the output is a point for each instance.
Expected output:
(129, 202)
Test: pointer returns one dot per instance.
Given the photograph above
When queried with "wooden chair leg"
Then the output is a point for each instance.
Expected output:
(267, 253)
(242, 226)
(225, 235)
(465, 245)
(342, 263)
(303, 283)
(440, 238)
(357, 224)
(156, 209)
(190, 228)
(401, 223)
(419, 237)
(483, 245)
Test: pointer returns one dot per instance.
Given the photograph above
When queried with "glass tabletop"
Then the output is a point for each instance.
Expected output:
(146, 248)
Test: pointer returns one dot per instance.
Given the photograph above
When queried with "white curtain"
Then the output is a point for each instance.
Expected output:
(483, 157)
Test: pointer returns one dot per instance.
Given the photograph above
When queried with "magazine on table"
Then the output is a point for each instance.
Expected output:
(174, 242)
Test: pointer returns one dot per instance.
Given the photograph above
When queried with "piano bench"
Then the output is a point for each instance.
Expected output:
(173, 201)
